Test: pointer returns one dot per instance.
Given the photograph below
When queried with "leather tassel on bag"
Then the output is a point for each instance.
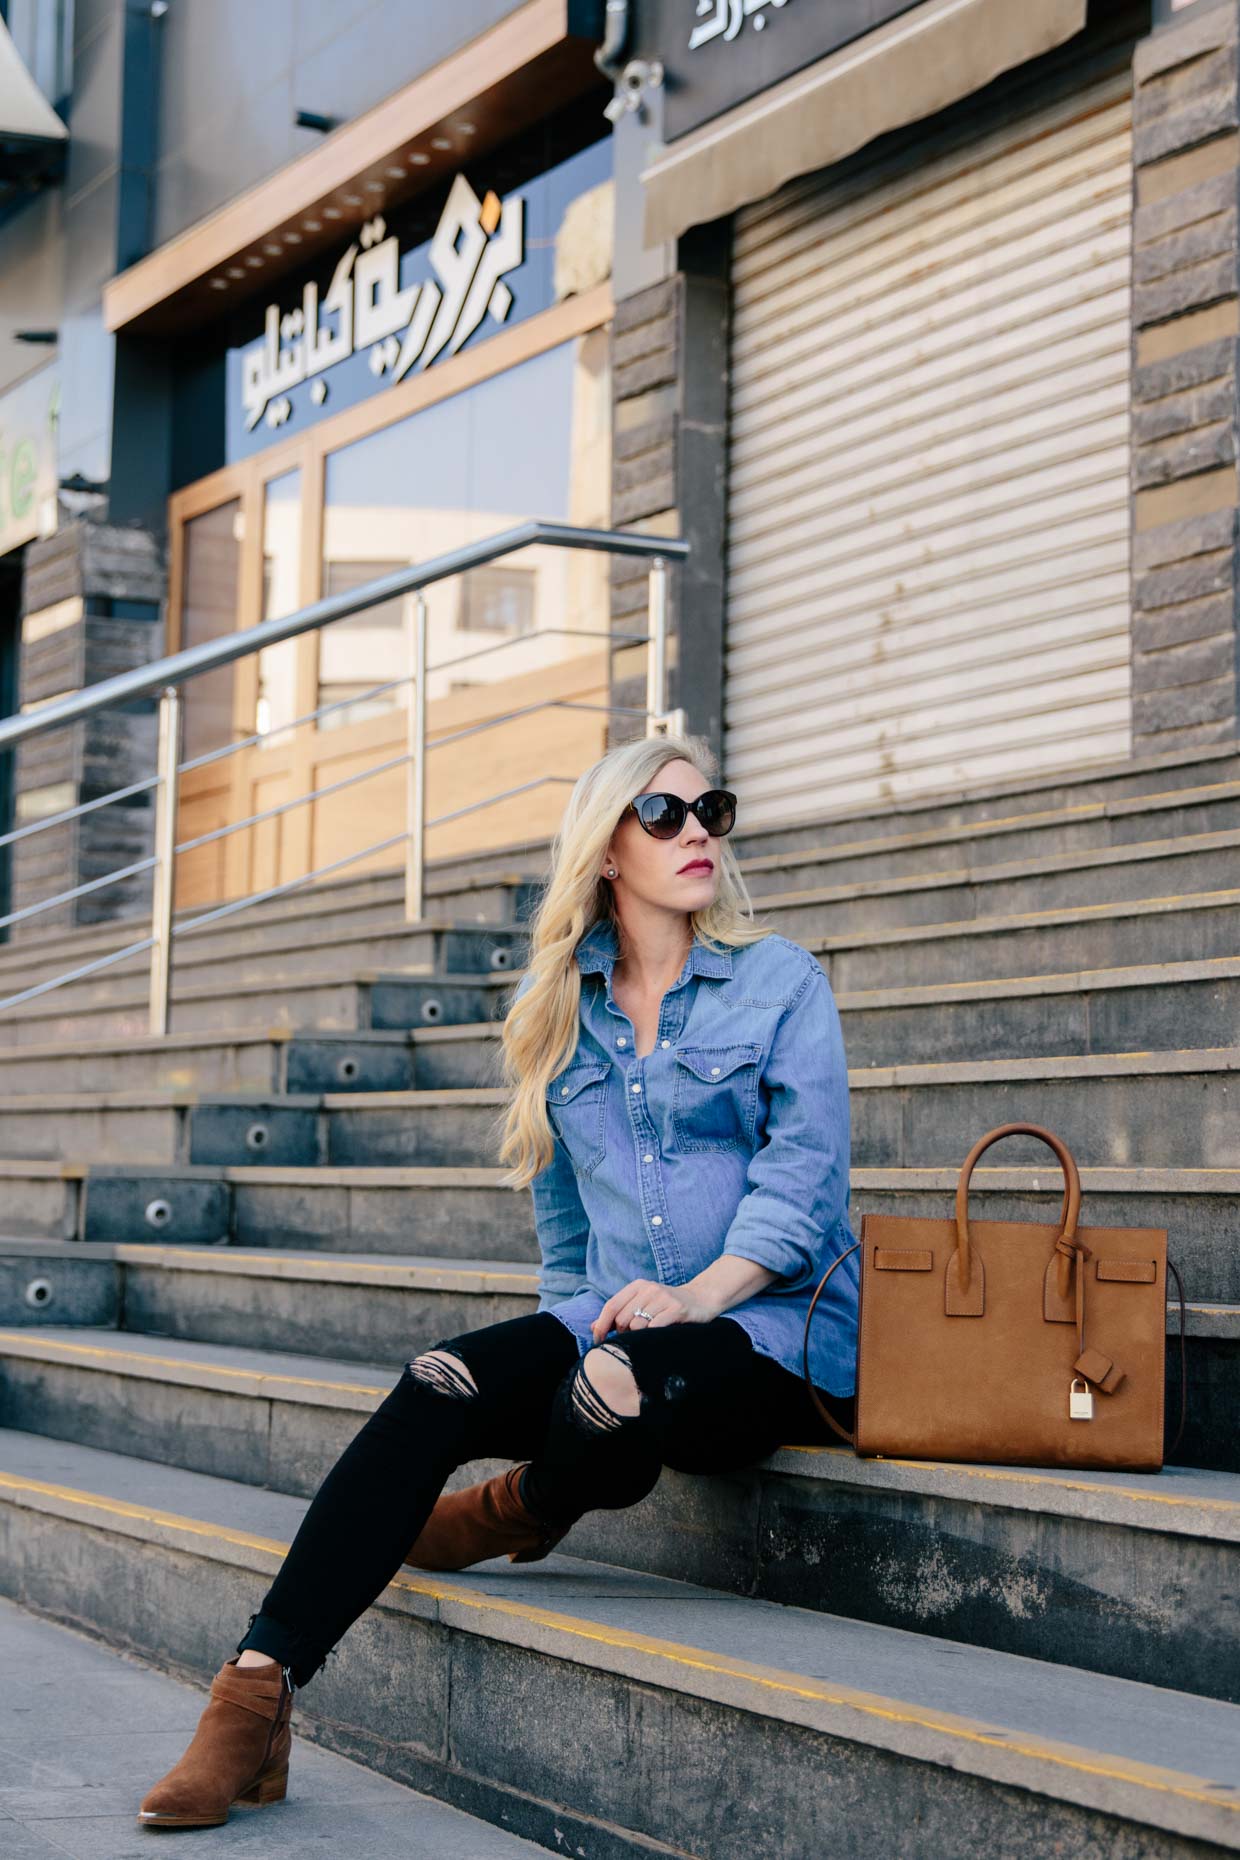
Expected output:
(1011, 1342)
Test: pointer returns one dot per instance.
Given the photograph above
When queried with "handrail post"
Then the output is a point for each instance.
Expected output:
(415, 766)
(162, 886)
(659, 720)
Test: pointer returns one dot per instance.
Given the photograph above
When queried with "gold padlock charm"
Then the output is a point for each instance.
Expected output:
(1080, 1400)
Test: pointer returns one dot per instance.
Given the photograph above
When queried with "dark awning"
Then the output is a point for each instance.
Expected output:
(905, 70)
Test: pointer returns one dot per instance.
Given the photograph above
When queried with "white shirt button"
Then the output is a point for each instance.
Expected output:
(664, 1042)
(622, 1041)
(647, 1158)
(636, 1087)
(656, 1220)
(714, 1068)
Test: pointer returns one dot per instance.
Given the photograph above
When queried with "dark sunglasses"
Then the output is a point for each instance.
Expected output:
(663, 815)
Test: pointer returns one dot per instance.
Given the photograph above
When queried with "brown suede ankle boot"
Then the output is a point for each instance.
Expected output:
(483, 1520)
(239, 1753)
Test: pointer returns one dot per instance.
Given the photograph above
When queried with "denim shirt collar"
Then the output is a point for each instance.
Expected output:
(598, 951)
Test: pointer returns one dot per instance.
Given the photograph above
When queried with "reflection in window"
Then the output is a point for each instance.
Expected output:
(375, 637)
(209, 609)
(534, 441)
(496, 599)
(276, 703)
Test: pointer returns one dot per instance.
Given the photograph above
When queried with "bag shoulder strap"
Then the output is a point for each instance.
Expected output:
(825, 1412)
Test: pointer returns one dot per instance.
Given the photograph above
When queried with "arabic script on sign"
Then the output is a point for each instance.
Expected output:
(723, 19)
(475, 243)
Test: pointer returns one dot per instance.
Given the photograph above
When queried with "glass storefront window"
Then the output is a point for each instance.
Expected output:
(276, 703)
(533, 441)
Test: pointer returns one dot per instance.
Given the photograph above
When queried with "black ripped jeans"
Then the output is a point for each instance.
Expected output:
(708, 1402)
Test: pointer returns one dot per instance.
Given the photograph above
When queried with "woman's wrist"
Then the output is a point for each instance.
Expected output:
(727, 1281)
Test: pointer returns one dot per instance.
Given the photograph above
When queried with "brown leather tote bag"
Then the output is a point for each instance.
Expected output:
(1010, 1342)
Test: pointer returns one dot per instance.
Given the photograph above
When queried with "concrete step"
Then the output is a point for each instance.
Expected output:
(462, 1214)
(804, 1732)
(1155, 1006)
(1051, 1562)
(1152, 1007)
(287, 954)
(1056, 881)
(1080, 827)
(318, 1003)
(432, 1212)
(1192, 928)
(90, 1728)
(382, 1307)
(1165, 1109)
(1075, 785)
(277, 1059)
(374, 900)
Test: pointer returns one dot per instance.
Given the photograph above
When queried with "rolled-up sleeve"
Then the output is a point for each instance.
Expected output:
(560, 1221)
(798, 1181)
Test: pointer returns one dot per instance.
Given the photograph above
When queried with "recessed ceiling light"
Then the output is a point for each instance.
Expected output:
(440, 142)
(332, 213)
(273, 251)
(374, 187)
(352, 200)
(396, 174)
(236, 271)
(219, 284)
(467, 129)
(419, 160)
(254, 262)
(292, 238)
(312, 225)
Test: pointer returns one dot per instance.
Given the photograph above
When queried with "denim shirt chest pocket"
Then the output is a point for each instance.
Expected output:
(577, 1109)
(715, 1095)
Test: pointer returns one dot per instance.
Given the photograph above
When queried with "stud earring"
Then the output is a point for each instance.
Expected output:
(611, 871)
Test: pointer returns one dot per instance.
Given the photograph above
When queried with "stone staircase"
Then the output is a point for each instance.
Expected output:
(220, 1248)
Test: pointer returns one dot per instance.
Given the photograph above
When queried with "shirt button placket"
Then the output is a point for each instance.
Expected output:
(662, 1239)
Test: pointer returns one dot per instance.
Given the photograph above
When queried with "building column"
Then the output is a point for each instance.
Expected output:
(669, 458)
(92, 607)
(1186, 163)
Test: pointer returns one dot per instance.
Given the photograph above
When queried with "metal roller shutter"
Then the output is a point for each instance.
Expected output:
(928, 574)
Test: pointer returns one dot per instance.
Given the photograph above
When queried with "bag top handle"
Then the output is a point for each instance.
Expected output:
(1068, 1213)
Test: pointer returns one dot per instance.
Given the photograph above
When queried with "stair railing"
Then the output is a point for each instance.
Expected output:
(167, 675)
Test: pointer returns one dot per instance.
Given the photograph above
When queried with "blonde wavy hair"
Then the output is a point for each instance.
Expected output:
(540, 1031)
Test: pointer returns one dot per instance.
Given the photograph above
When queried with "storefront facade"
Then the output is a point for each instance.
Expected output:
(965, 356)
(434, 373)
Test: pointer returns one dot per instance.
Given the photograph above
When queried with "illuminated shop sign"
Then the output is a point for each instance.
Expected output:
(724, 19)
(419, 282)
(366, 307)
(719, 53)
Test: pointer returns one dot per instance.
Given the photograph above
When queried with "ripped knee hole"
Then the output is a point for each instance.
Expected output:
(590, 1410)
(443, 1371)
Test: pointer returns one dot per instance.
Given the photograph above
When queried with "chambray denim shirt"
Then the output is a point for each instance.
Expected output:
(731, 1136)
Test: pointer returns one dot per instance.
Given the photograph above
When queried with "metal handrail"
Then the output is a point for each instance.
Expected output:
(195, 660)
(142, 680)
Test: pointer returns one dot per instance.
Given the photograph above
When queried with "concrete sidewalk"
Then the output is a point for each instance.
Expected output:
(85, 1731)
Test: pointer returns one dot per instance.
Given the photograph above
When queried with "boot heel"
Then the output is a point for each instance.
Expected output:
(270, 1788)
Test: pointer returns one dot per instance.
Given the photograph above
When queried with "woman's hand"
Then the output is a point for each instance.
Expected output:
(666, 1304)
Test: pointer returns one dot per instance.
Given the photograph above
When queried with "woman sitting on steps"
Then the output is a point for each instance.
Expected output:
(679, 1109)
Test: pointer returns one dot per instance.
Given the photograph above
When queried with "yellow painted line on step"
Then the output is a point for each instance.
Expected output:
(145, 1514)
(178, 1362)
(675, 1653)
(965, 1470)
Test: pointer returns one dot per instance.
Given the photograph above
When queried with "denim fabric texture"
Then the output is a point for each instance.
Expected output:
(731, 1136)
